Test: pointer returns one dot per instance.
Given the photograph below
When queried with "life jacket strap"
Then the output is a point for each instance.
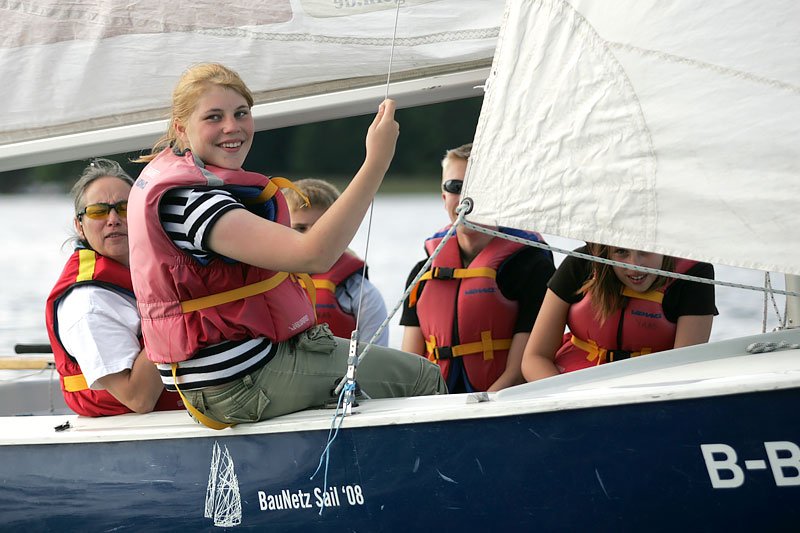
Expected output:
(310, 287)
(321, 284)
(75, 383)
(86, 265)
(200, 417)
(486, 346)
(272, 187)
(651, 296)
(445, 273)
(601, 355)
(240, 293)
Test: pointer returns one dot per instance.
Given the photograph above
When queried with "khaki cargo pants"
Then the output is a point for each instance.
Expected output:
(303, 373)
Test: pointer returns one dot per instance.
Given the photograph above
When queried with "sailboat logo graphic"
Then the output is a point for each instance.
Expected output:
(223, 502)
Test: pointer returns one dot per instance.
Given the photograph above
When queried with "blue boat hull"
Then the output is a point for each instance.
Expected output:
(629, 467)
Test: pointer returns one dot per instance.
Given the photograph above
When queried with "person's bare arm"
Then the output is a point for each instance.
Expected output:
(693, 329)
(138, 388)
(243, 236)
(413, 341)
(546, 338)
(512, 375)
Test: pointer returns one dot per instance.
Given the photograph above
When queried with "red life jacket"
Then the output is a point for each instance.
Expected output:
(341, 322)
(85, 267)
(639, 328)
(470, 298)
(186, 306)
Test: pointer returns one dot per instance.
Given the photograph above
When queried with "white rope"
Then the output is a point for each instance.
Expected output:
(450, 232)
(462, 211)
(589, 257)
(333, 432)
(770, 292)
(372, 204)
(764, 314)
(466, 206)
(763, 347)
(352, 360)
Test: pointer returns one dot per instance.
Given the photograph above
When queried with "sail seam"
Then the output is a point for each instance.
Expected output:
(703, 65)
(447, 36)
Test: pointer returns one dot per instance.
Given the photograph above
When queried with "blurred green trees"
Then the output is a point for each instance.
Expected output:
(331, 150)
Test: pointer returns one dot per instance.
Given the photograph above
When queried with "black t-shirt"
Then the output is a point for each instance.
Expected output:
(522, 277)
(681, 297)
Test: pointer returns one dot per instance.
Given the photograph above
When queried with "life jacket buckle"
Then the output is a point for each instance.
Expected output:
(443, 352)
(444, 273)
(617, 355)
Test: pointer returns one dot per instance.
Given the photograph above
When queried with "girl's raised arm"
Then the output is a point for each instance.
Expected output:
(243, 236)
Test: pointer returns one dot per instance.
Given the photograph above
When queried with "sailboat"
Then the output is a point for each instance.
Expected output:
(633, 123)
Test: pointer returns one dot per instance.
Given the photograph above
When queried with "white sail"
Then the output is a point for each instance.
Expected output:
(669, 126)
(93, 77)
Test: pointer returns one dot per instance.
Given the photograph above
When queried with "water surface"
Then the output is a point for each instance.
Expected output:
(34, 227)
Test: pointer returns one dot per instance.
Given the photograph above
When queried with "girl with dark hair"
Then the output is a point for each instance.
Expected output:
(614, 312)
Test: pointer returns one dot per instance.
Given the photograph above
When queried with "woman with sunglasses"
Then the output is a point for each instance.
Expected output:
(473, 310)
(211, 256)
(92, 320)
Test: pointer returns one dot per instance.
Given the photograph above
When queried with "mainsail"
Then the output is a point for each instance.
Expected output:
(94, 77)
(669, 126)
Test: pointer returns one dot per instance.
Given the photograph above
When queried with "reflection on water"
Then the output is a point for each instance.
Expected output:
(33, 228)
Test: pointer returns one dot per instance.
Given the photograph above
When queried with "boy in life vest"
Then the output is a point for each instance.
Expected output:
(615, 313)
(473, 310)
(339, 290)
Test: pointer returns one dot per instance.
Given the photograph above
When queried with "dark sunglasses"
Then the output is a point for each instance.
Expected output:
(453, 186)
(101, 210)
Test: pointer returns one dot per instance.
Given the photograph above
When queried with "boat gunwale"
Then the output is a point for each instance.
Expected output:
(684, 374)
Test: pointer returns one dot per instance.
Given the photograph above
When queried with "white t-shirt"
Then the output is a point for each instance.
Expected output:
(100, 328)
(373, 311)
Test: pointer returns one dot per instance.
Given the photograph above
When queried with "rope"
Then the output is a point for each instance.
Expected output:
(391, 49)
(372, 204)
(764, 315)
(462, 210)
(347, 386)
(769, 292)
(364, 268)
(588, 257)
(466, 207)
(764, 347)
(353, 361)
(333, 432)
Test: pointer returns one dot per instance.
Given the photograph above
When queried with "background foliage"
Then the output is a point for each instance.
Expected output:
(331, 150)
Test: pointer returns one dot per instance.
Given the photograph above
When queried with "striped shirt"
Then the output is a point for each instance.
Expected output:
(187, 215)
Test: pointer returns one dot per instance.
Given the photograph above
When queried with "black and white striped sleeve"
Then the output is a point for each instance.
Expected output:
(188, 215)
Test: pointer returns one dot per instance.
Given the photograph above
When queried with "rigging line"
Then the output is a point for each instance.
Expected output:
(372, 203)
(391, 50)
(462, 211)
(781, 320)
(764, 316)
(333, 432)
(769, 294)
(588, 257)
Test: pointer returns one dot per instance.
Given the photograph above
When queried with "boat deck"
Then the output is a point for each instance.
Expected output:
(714, 369)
